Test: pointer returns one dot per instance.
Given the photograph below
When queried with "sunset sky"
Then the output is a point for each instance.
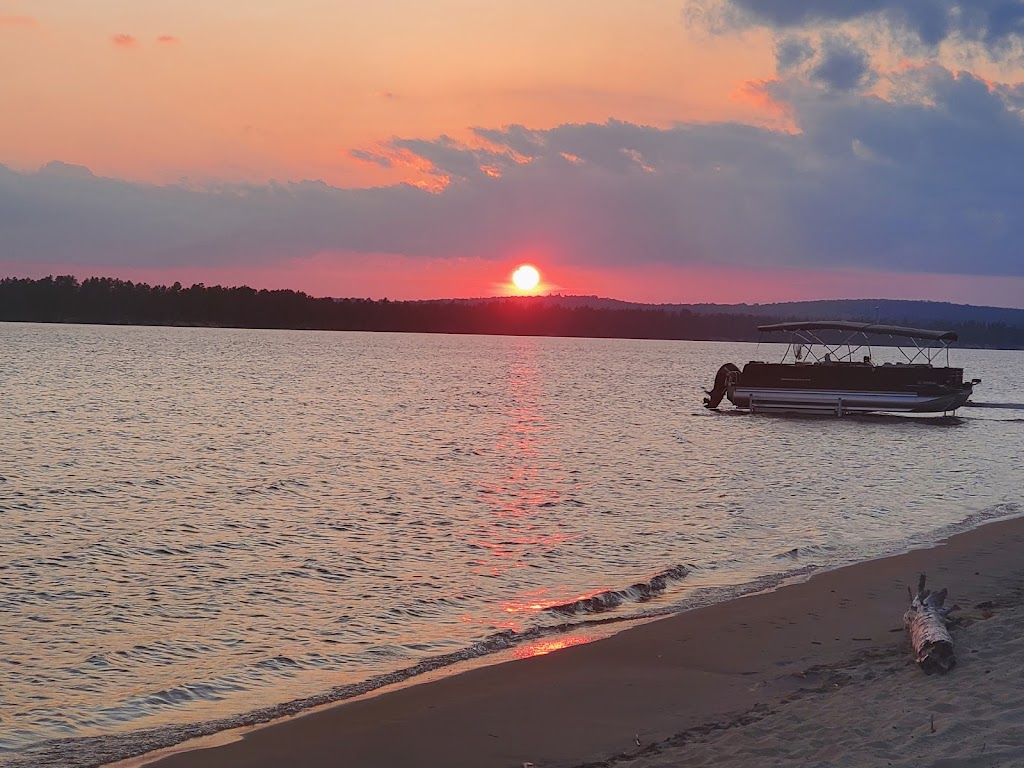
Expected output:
(650, 150)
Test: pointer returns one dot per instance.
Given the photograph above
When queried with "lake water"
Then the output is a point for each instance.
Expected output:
(200, 525)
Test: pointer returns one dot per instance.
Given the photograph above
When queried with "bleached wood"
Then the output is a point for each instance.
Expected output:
(926, 621)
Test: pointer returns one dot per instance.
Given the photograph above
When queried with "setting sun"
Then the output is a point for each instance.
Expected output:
(526, 278)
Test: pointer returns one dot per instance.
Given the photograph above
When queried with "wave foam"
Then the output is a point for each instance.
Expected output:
(638, 593)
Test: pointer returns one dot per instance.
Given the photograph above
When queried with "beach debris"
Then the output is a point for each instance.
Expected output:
(927, 621)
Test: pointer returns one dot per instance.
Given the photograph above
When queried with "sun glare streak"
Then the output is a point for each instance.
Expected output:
(544, 647)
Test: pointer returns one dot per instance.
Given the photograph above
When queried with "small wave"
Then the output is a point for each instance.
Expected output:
(1002, 511)
(638, 593)
(813, 550)
(141, 706)
(278, 664)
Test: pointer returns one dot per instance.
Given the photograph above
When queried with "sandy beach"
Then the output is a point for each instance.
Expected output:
(816, 673)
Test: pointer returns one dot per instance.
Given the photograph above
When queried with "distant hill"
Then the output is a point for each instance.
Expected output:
(890, 311)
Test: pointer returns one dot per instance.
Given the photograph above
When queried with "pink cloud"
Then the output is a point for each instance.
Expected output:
(167, 39)
(401, 277)
(758, 93)
(735, 285)
(122, 40)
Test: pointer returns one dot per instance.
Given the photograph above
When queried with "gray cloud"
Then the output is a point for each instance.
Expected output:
(998, 25)
(791, 52)
(927, 181)
(372, 157)
(843, 64)
(838, 62)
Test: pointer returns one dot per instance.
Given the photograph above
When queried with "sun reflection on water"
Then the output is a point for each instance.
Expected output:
(527, 500)
(544, 647)
(533, 602)
(519, 494)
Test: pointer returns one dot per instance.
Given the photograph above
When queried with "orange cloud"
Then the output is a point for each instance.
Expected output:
(167, 39)
(17, 21)
(122, 40)
(758, 93)
(420, 172)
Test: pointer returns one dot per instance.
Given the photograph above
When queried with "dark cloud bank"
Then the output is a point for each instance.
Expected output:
(927, 181)
(997, 25)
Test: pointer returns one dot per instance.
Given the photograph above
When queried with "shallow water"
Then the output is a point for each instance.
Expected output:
(201, 523)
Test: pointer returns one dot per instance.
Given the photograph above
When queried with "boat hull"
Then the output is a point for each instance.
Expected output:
(839, 402)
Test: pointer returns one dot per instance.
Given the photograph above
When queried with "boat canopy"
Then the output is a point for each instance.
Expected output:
(845, 325)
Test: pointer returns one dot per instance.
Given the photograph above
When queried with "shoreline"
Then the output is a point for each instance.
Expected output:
(512, 334)
(715, 668)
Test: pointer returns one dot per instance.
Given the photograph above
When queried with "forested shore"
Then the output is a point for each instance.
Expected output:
(104, 300)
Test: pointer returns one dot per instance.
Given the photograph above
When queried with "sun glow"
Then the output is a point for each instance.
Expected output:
(526, 278)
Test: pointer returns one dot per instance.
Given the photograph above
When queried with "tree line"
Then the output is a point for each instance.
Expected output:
(106, 300)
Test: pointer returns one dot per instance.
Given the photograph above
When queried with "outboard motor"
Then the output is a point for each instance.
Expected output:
(728, 375)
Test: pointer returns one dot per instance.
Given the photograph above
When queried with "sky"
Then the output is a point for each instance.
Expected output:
(646, 150)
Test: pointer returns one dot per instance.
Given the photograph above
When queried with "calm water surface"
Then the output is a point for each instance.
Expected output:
(200, 523)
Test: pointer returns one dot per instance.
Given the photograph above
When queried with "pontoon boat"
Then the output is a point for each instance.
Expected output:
(819, 375)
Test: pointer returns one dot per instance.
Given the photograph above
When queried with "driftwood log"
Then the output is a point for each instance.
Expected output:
(927, 622)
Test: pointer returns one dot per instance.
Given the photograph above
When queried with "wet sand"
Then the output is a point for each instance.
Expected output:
(814, 673)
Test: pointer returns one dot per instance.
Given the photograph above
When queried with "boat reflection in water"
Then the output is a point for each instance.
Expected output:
(828, 369)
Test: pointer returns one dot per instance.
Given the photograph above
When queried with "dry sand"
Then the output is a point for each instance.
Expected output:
(812, 674)
(876, 711)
